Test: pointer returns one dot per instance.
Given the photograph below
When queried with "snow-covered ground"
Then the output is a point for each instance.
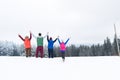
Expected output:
(74, 68)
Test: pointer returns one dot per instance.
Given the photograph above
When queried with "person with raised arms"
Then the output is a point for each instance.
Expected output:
(63, 47)
(50, 46)
(40, 40)
(27, 44)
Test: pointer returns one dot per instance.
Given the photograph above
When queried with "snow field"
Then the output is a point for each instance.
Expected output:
(74, 68)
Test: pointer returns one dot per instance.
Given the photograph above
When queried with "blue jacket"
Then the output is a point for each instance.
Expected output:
(50, 42)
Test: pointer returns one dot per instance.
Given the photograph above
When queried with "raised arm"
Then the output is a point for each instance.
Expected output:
(67, 41)
(33, 35)
(55, 40)
(30, 35)
(47, 38)
(59, 41)
(21, 37)
(46, 35)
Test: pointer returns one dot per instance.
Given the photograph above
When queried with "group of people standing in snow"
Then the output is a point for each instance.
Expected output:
(40, 40)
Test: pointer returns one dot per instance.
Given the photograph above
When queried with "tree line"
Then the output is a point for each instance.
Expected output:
(108, 48)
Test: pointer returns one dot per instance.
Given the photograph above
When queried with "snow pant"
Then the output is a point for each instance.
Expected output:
(28, 52)
(63, 55)
(50, 53)
(39, 49)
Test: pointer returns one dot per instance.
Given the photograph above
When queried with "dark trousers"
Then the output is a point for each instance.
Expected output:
(50, 53)
(39, 49)
(63, 55)
(28, 52)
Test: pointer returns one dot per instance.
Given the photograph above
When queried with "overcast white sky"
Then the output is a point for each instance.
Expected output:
(85, 21)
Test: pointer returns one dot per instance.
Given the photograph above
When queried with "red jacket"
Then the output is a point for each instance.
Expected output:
(27, 42)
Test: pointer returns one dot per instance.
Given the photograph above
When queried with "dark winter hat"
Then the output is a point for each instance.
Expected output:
(50, 38)
(39, 34)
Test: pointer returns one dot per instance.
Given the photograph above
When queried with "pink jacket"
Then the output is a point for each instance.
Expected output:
(63, 45)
